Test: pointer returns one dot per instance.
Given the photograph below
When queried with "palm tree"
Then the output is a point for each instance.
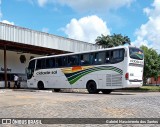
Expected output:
(112, 40)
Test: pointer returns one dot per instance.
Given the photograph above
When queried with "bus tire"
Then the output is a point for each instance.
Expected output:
(106, 91)
(57, 90)
(92, 87)
(40, 85)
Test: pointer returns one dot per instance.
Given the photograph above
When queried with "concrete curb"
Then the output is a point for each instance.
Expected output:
(33, 90)
(45, 91)
(24, 90)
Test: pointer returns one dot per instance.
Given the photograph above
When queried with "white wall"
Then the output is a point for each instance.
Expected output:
(14, 64)
(13, 61)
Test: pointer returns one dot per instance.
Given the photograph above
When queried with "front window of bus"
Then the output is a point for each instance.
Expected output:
(30, 69)
(136, 53)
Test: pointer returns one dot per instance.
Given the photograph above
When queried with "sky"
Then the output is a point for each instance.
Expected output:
(84, 20)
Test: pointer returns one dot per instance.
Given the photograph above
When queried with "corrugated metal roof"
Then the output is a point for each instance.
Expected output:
(36, 38)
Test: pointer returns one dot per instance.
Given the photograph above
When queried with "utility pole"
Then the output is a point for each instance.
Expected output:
(5, 66)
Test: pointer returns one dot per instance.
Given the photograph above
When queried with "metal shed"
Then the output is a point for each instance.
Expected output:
(19, 39)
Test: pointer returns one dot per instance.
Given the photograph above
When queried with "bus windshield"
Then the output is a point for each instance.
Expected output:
(136, 53)
(30, 69)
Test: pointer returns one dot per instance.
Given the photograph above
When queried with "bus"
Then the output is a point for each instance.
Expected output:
(99, 70)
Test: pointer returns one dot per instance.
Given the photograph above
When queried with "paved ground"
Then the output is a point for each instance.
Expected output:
(27, 104)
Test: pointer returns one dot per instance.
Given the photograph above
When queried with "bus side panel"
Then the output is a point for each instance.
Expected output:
(110, 80)
(56, 79)
(62, 82)
(32, 83)
(106, 77)
(81, 83)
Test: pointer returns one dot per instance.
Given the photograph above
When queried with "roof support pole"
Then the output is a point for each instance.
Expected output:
(5, 66)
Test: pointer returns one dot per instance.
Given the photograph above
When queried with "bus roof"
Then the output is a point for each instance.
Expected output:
(104, 49)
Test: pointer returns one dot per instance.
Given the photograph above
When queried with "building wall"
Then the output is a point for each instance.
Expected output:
(152, 81)
(14, 65)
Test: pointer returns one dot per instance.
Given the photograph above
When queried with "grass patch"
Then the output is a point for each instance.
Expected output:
(144, 89)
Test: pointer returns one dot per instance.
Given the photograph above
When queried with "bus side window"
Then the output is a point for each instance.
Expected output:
(85, 59)
(61, 61)
(117, 55)
(107, 57)
(96, 58)
(92, 59)
(114, 54)
(101, 58)
(56, 62)
(50, 63)
(41, 64)
(64, 60)
(73, 60)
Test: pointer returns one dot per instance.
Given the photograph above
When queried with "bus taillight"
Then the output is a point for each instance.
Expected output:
(127, 76)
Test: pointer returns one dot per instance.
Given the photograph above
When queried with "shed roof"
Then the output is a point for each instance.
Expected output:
(17, 38)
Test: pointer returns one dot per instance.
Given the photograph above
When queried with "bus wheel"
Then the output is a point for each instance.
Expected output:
(40, 85)
(92, 87)
(106, 91)
(57, 90)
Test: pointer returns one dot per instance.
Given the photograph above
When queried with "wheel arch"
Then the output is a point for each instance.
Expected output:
(40, 84)
(91, 80)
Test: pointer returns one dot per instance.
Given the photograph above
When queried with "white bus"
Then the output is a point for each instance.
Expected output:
(100, 70)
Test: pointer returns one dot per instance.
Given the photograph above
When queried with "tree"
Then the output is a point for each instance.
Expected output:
(112, 40)
(151, 63)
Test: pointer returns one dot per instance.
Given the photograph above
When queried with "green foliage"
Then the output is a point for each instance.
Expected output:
(144, 89)
(151, 63)
(112, 41)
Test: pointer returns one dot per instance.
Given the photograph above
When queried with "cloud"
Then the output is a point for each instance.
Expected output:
(41, 3)
(149, 33)
(7, 22)
(86, 29)
(88, 5)
(46, 30)
(95, 4)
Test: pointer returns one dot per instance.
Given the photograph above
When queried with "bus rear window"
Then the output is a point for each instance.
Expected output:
(136, 53)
